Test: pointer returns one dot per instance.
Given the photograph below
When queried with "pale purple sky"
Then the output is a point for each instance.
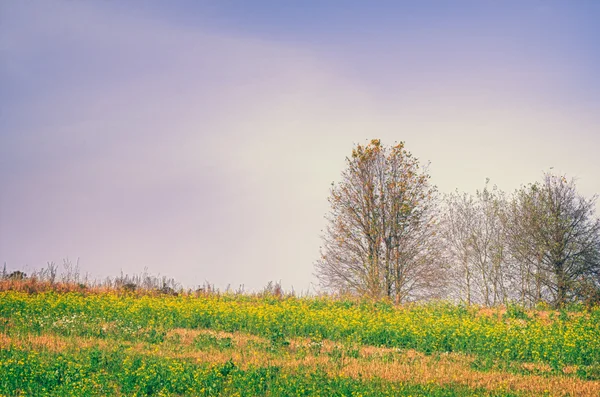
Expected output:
(199, 139)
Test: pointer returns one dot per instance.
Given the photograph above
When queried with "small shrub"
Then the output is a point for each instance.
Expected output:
(129, 287)
(17, 275)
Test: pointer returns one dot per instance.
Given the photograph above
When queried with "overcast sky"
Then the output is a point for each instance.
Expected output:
(199, 139)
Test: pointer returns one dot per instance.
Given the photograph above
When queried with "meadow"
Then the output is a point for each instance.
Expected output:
(119, 343)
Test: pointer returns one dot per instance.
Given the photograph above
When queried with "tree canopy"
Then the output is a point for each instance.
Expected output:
(380, 238)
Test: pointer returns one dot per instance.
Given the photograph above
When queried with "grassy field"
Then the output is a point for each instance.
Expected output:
(119, 344)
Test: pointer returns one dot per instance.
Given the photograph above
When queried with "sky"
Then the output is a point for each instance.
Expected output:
(198, 139)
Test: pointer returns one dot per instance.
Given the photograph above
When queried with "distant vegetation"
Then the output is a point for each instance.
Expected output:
(68, 278)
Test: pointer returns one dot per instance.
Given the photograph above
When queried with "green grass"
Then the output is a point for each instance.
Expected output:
(93, 372)
(130, 347)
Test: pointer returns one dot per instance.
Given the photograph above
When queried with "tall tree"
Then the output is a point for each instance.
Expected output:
(525, 249)
(488, 246)
(457, 227)
(381, 238)
(474, 246)
(554, 233)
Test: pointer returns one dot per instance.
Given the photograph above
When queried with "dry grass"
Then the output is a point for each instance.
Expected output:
(545, 317)
(442, 371)
(187, 336)
(537, 367)
(491, 312)
(50, 342)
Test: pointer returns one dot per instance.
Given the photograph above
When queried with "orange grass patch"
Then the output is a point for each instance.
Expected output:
(445, 372)
(187, 336)
(46, 342)
(491, 312)
(50, 342)
(537, 367)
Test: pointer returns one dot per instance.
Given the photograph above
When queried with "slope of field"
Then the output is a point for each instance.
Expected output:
(74, 344)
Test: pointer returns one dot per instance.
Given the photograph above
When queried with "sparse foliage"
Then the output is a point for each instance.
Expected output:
(554, 235)
(380, 240)
(473, 236)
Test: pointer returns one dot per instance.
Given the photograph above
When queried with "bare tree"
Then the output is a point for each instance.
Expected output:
(555, 235)
(472, 233)
(488, 245)
(524, 249)
(381, 238)
(457, 227)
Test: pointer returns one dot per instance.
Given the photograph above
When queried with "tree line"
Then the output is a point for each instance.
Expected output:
(391, 234)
